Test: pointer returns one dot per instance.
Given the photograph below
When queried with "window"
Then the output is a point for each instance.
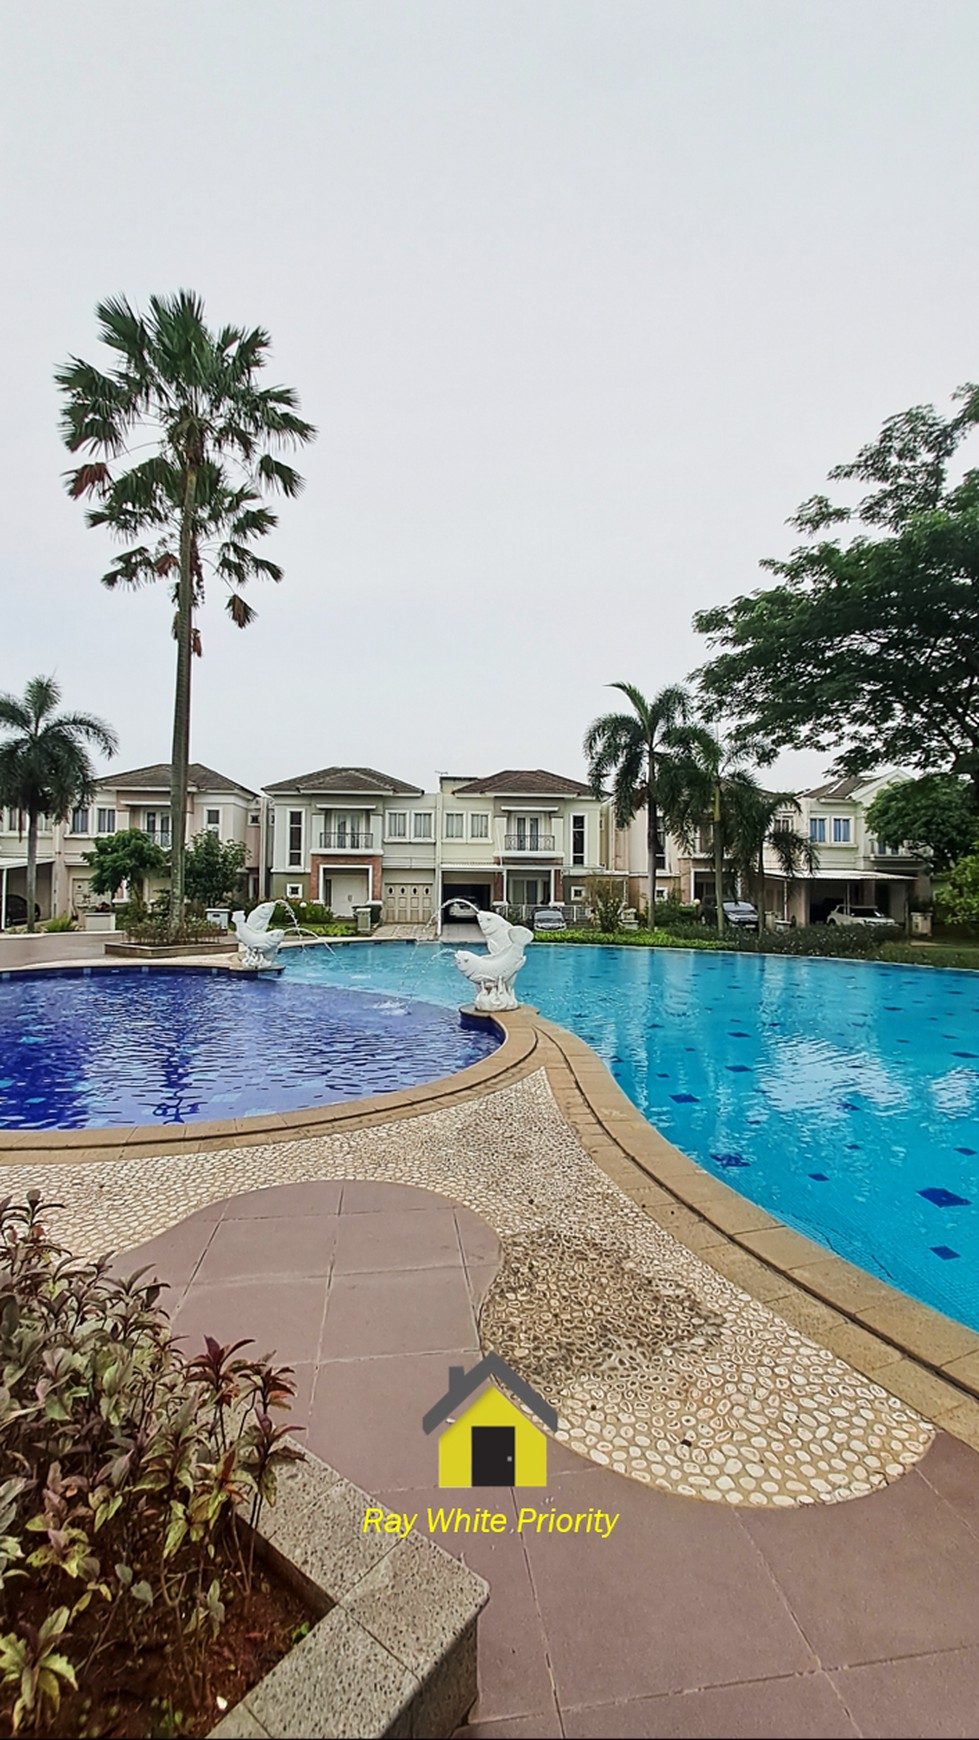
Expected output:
(479, 827)
(782, 825)
(817, 830)
(454, 821)
(577, 839)
(841, 830)
(254, 820)
(422, 825)
(79, 820)
(295, 838)
(294, 890)
(397, 824)
(158, 826)
(212, 821)
(105, 821)
(577, 894)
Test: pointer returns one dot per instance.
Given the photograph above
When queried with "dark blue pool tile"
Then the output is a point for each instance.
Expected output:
(685, 1099)
(944, 1251)
(944, 1198)
(820, 1177)
(965, 1054)
(730, 1160)
(965, 1150)
(739, 1035)
(739, 1068)
(847, 1106)
(852, 1146)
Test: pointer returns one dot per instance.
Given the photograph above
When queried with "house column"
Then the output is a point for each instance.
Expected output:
(3, 898)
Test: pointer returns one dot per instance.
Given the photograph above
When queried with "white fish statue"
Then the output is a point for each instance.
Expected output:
(257, 945)
(493, 973)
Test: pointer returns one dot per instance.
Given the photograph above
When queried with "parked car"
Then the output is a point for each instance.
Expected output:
(741, 912)
(549, 918)
(461, 909)
(17, 910)
(858, 915)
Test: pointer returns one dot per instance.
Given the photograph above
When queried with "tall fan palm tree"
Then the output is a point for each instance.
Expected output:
(45, 767)
(629, 750)
(192, 395)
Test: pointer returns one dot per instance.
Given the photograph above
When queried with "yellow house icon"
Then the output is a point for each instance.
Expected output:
(488, 1440)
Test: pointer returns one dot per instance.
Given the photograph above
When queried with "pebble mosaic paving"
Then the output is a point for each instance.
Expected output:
(659, 1367)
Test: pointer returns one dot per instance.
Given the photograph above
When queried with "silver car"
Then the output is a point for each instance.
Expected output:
(869, 915)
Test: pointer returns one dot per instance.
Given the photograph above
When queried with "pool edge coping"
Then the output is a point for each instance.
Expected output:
(917, 1353)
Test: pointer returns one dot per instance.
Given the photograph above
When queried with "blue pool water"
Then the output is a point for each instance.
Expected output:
(81, 1050)
(843, 1096)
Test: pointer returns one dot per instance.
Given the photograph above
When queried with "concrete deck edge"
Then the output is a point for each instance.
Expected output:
(920, 1355)
(394, 1652)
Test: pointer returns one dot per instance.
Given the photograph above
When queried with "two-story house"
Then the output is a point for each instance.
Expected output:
(329, 833)
(524, 836)
(13, 867)
(853, 867)
(141, 799)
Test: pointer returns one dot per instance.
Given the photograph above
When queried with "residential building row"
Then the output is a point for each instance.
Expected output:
(346, 836)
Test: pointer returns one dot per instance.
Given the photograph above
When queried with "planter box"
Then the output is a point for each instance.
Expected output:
(394, 1652)
(100, 921)
(164, 951)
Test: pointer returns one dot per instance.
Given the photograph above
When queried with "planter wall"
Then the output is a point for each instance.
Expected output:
(394, 1653)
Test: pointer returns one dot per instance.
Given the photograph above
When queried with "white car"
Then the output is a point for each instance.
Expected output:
(549, 918)
(869, 915)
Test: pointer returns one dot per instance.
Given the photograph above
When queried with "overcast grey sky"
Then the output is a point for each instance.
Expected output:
(584, 297)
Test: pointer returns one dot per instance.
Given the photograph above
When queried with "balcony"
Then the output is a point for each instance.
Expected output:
(346, 840)
(531, 843)
(158, 837)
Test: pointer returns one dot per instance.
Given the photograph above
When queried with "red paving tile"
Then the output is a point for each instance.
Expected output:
(690, 1620)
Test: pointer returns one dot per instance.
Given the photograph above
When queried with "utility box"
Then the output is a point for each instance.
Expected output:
(921, 924)
(218, 915)
(363, 916)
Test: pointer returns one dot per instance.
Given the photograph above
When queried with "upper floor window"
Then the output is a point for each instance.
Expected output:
(105, 821)
(254, 819)
(295, 838)
(79, 820)
(817, 830)
(454, 821)
(397, 824)
(422, 825)
(577, 839)
(158, 826)
(841, 830)
(782, 825)
(212, 821)
(478, 826)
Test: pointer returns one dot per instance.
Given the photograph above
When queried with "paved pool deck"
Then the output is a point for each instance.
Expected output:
(691, 1619)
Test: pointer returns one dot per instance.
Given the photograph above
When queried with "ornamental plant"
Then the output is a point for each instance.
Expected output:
(128, 1469)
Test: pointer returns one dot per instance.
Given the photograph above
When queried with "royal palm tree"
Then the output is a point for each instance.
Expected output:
(629, 749)
(192, 396)
(45, 769)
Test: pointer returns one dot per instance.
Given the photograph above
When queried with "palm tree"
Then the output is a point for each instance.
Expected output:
(44, 762)
(192, 395)
(704, 785)
(629, 749)
(761, 822)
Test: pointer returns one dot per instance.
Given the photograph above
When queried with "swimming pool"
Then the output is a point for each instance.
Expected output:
(84, 1050)
(842, 1096)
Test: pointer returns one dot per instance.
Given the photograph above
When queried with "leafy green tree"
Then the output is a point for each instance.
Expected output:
(868, 645)
(129, 856)
(957, 896)
(45, 767)
(607, 900)
(760, 822)
(192, 396)
(628, 749)
(214, 869)
(935, 816)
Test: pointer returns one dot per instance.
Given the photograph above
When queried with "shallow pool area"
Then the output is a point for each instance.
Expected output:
(842, 1096)
(84, 1049)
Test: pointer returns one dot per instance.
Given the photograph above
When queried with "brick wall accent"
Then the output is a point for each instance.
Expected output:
(558, 885)
(336, 865)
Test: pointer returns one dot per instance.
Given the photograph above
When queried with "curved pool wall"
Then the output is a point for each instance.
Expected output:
(841, 1096)
(84, 1049)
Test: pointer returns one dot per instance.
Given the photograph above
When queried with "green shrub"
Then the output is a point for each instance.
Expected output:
(61, 921)
(126, 1466)
(154, 929)
(306, 911)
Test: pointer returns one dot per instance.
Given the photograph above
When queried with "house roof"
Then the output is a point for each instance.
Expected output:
(347, 779)
(157, 778)
(836, 788)
(463, 1384)
(525, 782)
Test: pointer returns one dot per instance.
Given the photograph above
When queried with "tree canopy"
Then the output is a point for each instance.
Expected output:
(868, 645)
(214, 868)
(934, 816)
(630, 749)
(128, 856)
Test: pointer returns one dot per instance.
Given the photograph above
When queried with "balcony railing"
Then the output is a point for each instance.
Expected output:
(346, 839)
(528, 843)
(159, 837)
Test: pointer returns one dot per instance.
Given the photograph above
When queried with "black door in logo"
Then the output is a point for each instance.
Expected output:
(493, 1455)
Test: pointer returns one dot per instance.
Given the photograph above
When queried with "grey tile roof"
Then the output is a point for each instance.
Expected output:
(836, 788)
(525, 782)
(346, 779)
(157, 778)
